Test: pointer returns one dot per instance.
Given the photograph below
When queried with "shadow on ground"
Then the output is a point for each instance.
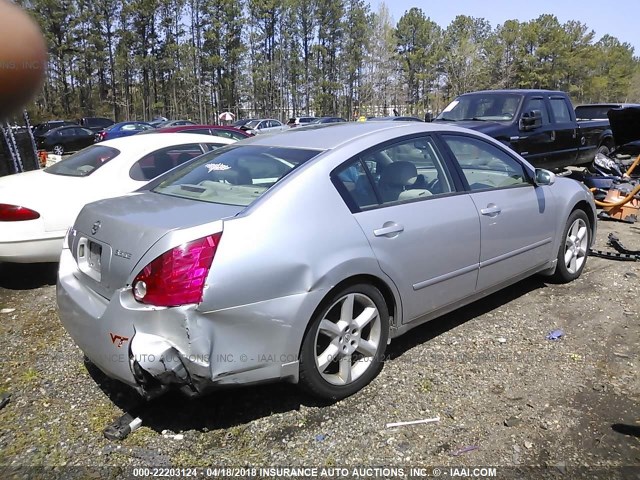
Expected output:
(27, 276)
(230, 407)
(447, 322)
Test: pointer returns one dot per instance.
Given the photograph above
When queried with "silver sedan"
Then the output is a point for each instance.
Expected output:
(300, 256)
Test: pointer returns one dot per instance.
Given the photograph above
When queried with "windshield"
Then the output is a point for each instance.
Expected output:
(482, 106)
(252, 124)
(234, 175)
(85, 162)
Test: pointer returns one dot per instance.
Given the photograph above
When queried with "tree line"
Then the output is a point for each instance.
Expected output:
(138, 59)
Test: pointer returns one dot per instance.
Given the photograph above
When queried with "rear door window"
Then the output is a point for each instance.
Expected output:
(161, 161)
(409, 170)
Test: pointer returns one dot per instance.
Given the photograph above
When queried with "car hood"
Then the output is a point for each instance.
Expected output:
(131, 225)
(625, 125)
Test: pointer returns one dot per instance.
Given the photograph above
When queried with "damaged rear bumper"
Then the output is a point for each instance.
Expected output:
(155, 349)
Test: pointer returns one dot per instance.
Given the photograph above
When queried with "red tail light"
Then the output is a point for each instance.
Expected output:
(14, 213)
(177, 277)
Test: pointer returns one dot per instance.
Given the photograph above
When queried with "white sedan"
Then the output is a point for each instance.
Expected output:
(37, 208)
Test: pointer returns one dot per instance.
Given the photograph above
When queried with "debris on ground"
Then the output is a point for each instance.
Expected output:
(512, 422)
(122, 427)
(413, 422)
(555, 334)
(464, 450)
(4, 399)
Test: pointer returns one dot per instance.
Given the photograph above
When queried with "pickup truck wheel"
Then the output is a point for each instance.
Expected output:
(572, 254)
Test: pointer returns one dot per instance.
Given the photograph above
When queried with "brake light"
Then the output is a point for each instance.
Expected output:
(14, 213)
(177, 277)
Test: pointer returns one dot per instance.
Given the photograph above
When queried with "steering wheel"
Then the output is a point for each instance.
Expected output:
(434, 186)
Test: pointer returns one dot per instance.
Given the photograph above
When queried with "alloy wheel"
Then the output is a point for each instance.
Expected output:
(347, 339)
(575, 249)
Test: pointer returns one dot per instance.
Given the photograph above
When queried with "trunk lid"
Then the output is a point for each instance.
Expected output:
(112, 235)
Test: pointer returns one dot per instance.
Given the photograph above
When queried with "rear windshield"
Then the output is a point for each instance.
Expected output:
(234, 175)
(593, 112)
(85, 162)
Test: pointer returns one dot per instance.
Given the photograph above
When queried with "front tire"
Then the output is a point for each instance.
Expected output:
(58, 150)
(572, 254)
(342, 350)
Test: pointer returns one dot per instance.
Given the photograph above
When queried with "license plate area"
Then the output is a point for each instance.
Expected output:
(90, 258)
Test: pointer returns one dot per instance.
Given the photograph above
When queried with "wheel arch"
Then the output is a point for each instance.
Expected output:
(586, 208)
(392, 302)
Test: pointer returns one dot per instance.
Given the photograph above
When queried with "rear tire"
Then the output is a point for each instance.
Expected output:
(574, 247)
(343, 348)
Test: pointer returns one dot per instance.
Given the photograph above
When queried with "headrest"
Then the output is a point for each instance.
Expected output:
(399, 174)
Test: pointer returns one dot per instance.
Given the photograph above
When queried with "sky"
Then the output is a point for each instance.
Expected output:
(619, 18)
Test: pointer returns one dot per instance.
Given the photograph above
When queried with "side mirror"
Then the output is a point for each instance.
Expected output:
(544, 177)
(531, 120)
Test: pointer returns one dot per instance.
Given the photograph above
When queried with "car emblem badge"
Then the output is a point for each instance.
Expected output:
(95, 227)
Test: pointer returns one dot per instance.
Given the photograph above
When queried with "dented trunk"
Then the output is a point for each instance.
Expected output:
(108, 243)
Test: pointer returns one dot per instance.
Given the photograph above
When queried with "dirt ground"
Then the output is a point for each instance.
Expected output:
(506, 396)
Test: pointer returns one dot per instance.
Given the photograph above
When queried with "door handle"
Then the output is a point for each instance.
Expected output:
(492, 210)
(389, 229)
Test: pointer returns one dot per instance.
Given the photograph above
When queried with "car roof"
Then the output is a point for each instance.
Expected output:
(327, 136)
(613, 105)
(159, 141)
(517, 91)
(178, 128)
(64, 127)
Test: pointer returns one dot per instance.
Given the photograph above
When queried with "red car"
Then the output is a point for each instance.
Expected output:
(217, 130)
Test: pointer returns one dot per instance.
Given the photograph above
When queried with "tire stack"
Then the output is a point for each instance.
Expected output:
(27, 158)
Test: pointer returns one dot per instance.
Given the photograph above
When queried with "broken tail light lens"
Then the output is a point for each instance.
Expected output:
(177, 277)
(15, 213)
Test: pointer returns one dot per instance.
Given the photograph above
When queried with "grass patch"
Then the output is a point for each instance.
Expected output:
(101, 415)
(30, 375)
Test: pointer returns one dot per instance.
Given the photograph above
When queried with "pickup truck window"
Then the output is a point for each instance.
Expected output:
(538, 104)
(484, 165)
(560, 110)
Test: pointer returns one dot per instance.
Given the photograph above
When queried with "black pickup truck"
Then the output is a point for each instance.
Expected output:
(540, 125)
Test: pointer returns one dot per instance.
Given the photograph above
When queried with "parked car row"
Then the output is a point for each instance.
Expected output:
(51, 136)
(62, 136)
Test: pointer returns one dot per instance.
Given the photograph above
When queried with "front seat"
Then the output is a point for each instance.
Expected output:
(396, 178)
(234, 176)
(162, 163)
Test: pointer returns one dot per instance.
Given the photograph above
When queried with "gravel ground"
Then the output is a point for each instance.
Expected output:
(486, 370)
